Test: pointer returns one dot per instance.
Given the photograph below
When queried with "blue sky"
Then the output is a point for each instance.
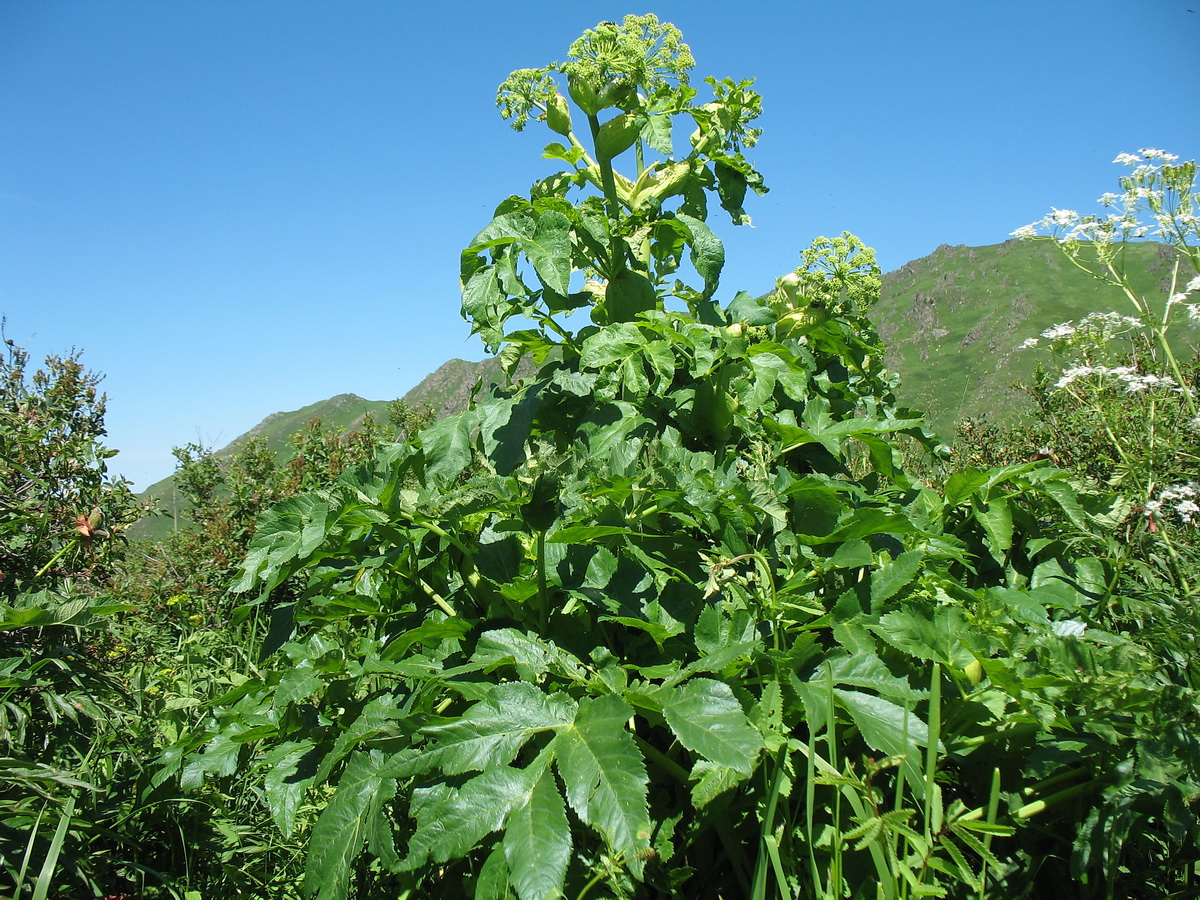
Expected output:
(238, 207)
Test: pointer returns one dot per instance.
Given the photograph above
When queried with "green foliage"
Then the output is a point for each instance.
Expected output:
(61, 516)
(670, 617)
(61, 718)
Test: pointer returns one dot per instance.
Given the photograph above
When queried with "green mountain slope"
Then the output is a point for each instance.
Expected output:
(446, 391)
(951, 322)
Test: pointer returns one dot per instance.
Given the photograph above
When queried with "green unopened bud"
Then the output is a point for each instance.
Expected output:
(583, 92)
(615, 93)
(618, 135)
(974, 672)
(801, 322)
(558, 117)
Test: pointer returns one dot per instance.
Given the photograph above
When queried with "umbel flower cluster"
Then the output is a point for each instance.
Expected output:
(1153, 184)
(1179, 497)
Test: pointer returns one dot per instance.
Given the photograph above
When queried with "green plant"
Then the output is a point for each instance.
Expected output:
(61, 717)
(670, 617)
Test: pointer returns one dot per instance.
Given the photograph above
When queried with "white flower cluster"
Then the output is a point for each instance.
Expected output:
(1086, 228)
(1135, 382)
(1096, 328)
(1181, 498)
(1192, 309)
(1143, 189)
(1133, 159)
(1127, 375)
(1059, 332)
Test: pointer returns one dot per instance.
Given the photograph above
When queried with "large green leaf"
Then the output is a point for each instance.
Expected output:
(494, 730)
(290, 530)
(604, 774)
(447, 446)
(285, 786)
(549, 249)
(537, 841)
(452, 821)
(888, 580)
(708, 720)
(707, 252)
(340, 832)
(936, 639)
(996, 518)
(866, 670)
(890, 729)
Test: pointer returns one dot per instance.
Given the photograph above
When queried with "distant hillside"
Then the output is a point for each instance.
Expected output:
(951, 322)
(446, 391)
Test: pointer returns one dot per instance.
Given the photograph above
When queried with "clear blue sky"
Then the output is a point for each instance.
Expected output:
(237, 207)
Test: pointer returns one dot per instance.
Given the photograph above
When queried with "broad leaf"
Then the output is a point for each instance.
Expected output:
(537, 841)
(452, 821)
(340, 832)
(708, 720)
(549, 249)
(494, 730)
(708, 253)
(890, 729)
(604, 775)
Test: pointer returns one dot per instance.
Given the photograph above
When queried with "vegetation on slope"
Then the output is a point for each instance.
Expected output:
(953, 321)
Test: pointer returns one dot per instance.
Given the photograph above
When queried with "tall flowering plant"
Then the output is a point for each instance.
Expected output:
(1121, 372)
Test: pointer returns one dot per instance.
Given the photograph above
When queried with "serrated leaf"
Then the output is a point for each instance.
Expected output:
(866, 670)
(287, 531)
(604, 774)
(708, 720)
(549, 250)
(937, 639)
(493, 731)
(996, 518)
(451, 821)
(854, 553)
(656, 131)
(338, 836)
(711, 780)
(220, 757)
(889, 579)
(493, 881)
(1022, 605)
(746, 309)
(537, 842)
(447, 448)
(963, 484)
(889, 729)
(707, 252)
(296, 684)
(284, 789)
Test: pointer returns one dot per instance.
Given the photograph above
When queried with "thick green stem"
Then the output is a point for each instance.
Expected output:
(612, 203)
(55, 558)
